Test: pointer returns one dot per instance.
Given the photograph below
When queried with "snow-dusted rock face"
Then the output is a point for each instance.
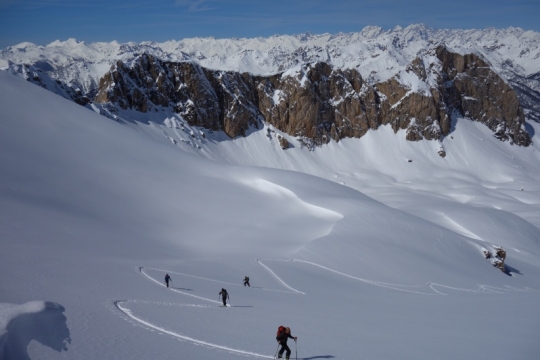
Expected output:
(319, 102)
(396, 76)
(441, 83)
(216, 100)
(36, 75)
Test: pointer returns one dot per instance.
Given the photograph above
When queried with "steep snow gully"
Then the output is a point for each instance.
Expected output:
(123, 306)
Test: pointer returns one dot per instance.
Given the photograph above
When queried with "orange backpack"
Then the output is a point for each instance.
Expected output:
(280, 330)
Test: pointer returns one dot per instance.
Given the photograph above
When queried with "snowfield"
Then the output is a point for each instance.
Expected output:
(368, 248)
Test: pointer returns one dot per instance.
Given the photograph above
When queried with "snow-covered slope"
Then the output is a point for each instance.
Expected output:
(95, 212)
(376, 54)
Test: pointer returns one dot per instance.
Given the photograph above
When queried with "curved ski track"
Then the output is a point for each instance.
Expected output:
(415, 289)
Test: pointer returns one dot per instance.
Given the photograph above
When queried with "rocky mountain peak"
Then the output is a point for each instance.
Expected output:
(320, 87)
(318, 102)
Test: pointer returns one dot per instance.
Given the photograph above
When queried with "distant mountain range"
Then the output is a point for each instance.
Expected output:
(313, 87)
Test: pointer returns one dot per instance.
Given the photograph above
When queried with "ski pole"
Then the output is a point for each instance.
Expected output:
(296, 348)
(275, 355)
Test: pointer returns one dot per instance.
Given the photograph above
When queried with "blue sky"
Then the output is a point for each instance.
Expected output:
(43, 21)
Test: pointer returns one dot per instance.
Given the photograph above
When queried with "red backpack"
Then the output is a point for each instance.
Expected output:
(280, 330)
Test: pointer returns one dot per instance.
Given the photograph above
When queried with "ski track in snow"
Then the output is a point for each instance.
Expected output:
(484, 289)
(278, 278)
(121, 304)
(206, 279)
(127, 312)
(141, 269)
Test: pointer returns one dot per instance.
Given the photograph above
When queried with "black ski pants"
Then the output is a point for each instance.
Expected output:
(224, 300)
(285, 347)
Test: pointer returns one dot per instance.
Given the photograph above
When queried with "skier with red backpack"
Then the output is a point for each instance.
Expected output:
(283, 334)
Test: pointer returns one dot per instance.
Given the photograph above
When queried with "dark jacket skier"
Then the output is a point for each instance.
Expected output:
(246, 281)
(167, 279)
(224, 296)
(282, 340)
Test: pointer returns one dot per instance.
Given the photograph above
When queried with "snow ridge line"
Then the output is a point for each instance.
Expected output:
(141, 269)
(277, 277)
(127, 312)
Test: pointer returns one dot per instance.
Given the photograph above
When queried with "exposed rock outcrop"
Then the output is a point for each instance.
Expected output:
(284, 143)
(448, 83)
(210, 99)
(497, 257)
(318, 102)
(473, 89)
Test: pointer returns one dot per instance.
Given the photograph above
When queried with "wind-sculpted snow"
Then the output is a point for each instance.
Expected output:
(325, 216)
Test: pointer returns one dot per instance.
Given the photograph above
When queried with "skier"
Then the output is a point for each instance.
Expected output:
(246, 281)
(284, 333)
(224, 296)
(167, 279)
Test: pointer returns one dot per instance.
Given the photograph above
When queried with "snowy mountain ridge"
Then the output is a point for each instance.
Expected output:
(273, 54)
(377, 54)
(318, 102)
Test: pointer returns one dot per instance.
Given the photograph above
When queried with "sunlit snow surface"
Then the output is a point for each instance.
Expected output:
(364, 254)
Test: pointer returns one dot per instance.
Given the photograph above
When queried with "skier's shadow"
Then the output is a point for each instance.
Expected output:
(47, 327)
(319, 357)
(179, 288)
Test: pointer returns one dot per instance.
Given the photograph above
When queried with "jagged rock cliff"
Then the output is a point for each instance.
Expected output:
(73, 68)
(450, 84)
(319, 102)
(212, 99)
